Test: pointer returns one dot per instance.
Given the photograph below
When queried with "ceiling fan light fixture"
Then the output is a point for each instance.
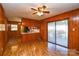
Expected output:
(39, 13)
(40, 10)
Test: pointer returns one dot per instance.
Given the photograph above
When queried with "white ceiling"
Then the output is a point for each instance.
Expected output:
(24, 9)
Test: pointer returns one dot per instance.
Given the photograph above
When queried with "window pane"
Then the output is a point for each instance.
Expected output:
(2, 27)
(51, 32)
(14, 27)
(62, 33)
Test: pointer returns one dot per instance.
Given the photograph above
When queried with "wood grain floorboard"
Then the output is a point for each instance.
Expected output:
(36, 48)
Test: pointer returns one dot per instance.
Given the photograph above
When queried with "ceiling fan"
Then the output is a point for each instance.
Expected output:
(40, 10)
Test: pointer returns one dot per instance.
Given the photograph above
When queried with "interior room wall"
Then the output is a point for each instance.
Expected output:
(43, 30)
(14, 34)
(31, 22)
(24, 22)
(3, 29)
(16, 21)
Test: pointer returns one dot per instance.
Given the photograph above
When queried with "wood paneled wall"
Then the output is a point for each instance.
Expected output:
(25, 22)
(13, 34)
(43, 30)
(73, 36)
(3, 34)
(30, 23)
(74, 32)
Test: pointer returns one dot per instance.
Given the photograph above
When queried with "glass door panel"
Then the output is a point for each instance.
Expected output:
(51, 32)
(62, 33)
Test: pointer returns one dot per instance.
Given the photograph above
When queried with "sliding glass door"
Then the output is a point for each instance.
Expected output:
(62, 32)
(58, 32)
(51, 32)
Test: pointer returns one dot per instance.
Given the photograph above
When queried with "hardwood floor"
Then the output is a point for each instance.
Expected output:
(36, 48)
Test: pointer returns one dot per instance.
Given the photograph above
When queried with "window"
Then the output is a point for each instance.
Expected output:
(2, 27)
(14, 27)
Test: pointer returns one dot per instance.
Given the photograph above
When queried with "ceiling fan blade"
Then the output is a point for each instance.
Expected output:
(44, 7)
(33, 9)
(39, 9)
(34, 12)
(46, 11)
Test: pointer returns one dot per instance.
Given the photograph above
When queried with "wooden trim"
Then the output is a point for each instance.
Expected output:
(66, 14)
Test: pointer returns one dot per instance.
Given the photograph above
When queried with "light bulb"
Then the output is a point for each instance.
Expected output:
(40, 13)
